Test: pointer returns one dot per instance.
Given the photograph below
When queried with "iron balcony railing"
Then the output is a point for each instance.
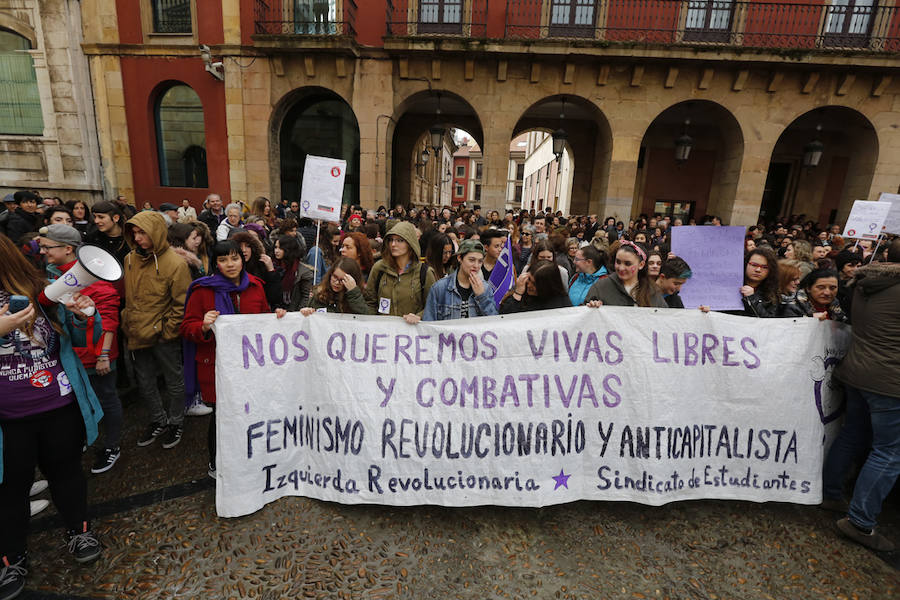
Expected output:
(457, 18)
(305, 17)
(850, 25)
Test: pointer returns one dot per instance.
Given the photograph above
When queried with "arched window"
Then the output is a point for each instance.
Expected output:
(180, 138)
(20, 101)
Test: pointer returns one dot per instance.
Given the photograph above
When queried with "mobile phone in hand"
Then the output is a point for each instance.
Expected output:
(18, 303)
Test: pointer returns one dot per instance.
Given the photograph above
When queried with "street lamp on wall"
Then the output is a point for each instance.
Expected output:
(683, 144)
(424, 156)
(437, 139)
(559, 142)
(812, 151)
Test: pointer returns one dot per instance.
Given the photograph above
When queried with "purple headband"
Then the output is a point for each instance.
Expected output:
(640, 253)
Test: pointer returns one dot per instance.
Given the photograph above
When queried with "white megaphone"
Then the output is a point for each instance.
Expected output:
(94, 263)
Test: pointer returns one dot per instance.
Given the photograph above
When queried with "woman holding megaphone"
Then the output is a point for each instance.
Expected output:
(47, 411)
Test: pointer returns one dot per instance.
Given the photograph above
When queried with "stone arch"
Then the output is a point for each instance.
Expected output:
(704, 184)
(589, 143)
(844, 173)
(19, 27)
(334, 132)
(413, 117)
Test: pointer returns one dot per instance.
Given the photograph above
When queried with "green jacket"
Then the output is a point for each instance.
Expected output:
(407, 291)
(355, 300)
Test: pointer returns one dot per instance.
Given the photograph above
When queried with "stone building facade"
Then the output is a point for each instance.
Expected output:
(751, 87)
(48, 136)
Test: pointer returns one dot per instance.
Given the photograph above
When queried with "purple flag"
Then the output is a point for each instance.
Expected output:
(503, 277)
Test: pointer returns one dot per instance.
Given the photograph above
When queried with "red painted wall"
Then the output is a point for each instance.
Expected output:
(653, 21)
(142, 79)
(371, 22)
(463, 181)
(796, 20)
(669, 181)
(210, 29)
(128, 13)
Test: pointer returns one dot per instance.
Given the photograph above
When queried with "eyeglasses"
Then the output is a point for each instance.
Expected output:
(758, 266)
(576, 259)
(524, 233)
(42, 247)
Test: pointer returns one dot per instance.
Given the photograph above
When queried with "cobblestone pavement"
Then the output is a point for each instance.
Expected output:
(155, 514)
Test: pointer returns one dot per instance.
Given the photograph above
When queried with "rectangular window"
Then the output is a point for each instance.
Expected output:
(477, 192)
(708, 20)
(520, 171)
(572, 18)
(849, 23)
(459, 191)
(20, 100)
(171, 16)
(440, 16)
(460, 171)
(478, 167)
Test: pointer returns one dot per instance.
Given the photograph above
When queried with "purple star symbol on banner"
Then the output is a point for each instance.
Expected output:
(562, 480)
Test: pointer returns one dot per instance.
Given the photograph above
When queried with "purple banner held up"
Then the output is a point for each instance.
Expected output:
(716, 258)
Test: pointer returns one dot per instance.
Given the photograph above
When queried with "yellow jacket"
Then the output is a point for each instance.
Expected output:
(156, 282)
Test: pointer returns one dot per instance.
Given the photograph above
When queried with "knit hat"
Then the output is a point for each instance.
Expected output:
(63, 234)
(355, 216)
(470, 245)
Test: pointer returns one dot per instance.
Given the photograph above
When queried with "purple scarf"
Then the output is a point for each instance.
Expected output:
(222, 289)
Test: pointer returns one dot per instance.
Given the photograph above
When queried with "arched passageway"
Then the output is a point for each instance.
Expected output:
(703, 183)
(843, 173)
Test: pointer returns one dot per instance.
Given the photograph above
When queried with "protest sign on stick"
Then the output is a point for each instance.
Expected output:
(716, 258)
(892, 222)
(866, 220)
(323, 188)
(635, 404)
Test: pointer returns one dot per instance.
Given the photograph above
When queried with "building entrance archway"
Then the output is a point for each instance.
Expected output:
(705, 183)
(319, 122)
(588, 144)
(843, 174)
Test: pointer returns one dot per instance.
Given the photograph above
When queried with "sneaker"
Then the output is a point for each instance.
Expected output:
(211, 471)
(872, 539)
(153, 431)
(198, 409)
(12, 577)
(38, 505)
(172, 437)
(83, 545)
(105, 460)
(38, 486)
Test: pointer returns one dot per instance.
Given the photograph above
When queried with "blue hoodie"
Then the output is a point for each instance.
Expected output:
(578, 287)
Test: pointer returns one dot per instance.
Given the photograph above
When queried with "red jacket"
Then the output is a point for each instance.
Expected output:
(202, 300)
(106, 300)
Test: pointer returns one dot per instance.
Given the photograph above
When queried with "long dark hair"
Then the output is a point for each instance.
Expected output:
(326, 295)
(292, 250)
(434, 254)
(643, 291)
(536, 249)
(18, 276)
(546, 278)
(768, 287)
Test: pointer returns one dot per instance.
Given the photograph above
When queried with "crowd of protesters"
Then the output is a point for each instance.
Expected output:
(62, 370)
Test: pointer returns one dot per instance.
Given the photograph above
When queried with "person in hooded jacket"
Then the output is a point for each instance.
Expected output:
(156, 281)
(399, 282)
(630, 284)
(870, 372)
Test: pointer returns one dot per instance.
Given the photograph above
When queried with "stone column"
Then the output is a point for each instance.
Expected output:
(372, 103)
(619, 193)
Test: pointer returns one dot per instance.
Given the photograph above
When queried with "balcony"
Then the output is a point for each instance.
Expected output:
(437, 18)
(305, 18)
(844, 25)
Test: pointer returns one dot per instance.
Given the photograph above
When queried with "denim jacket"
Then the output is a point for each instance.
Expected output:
(444, 301)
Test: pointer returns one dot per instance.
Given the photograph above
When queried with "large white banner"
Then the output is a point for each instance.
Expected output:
(643, 405)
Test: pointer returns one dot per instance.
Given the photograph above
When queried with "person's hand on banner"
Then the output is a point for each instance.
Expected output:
(594, 304)
(307, 311)
(822, 316)
(412, 318)
(208, 319)
(704, 309)
(280, 312)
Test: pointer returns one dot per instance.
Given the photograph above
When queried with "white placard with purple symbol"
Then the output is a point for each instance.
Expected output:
(323, 188)
(892, 222)
(634, 404)
(866, 219)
